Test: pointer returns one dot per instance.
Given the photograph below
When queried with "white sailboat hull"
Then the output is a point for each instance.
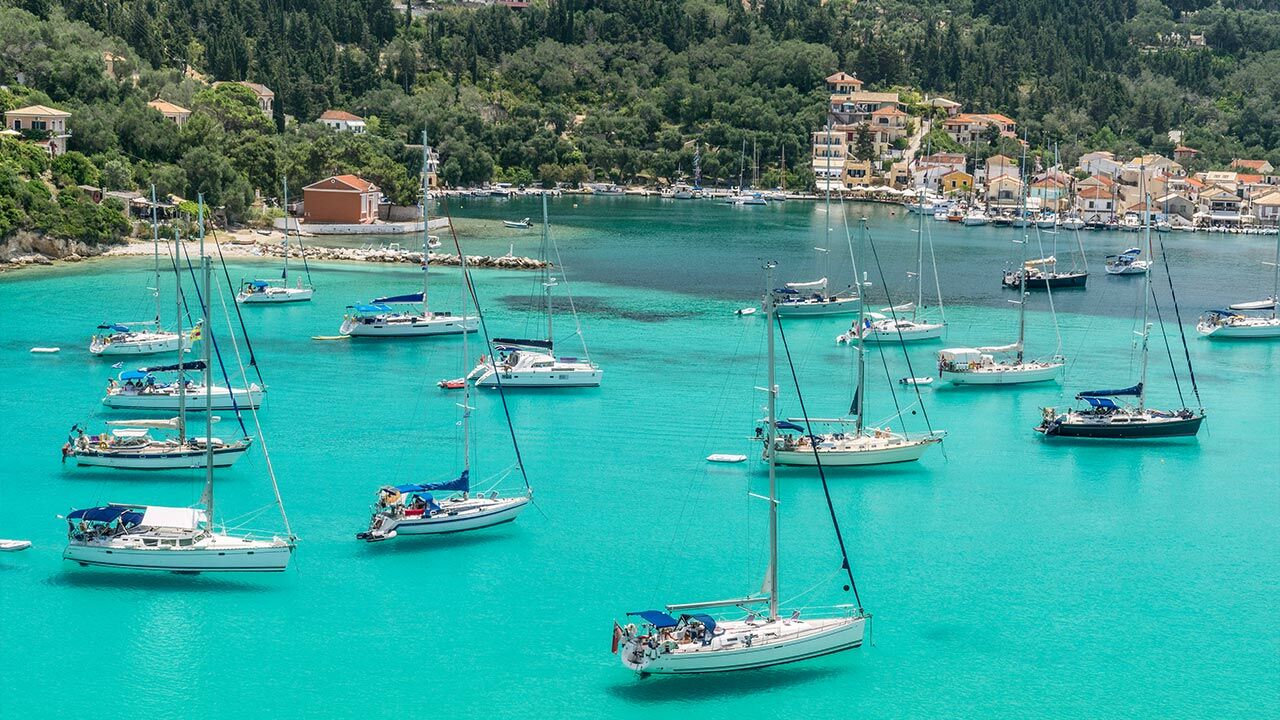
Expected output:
(1253, 328)
(222, 399)
(276, 295)
(183, 458)
(796, 640)
(1003, 375)
(908, 332)
(487, 514)
(151, 344)
(818, 308)
(411, 326)
(869, 453)
(1137, 267)
(219, 553)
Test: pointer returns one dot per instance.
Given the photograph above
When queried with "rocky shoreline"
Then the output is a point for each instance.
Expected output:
(23, 251)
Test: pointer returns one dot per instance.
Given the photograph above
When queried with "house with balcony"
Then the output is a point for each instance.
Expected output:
(1183, 154)
(41, 124)
(1144, 168)
(888, 125)
(965, 128)
(951, 161)
(830, 149)
(1004, 191)
(858, 173)
(342, 121)
(1101, 162)
(1175, 204)
(175, 114)
(1050, 191)
(998, 165)
(1220, 206)
(930, 176)
(856, 107)
(950, 107)
(1267, 208)
(842, 83)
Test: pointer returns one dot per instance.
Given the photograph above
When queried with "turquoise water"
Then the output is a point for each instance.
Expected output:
(1009, 577)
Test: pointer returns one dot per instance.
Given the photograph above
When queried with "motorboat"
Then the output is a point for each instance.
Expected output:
(518, 224)
(974, 217)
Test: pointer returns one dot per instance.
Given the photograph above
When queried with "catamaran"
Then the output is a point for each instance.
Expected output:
(1104, 418)
(863, 445)
(532, 363)
(177, 539)
(683, 639)
(413, 508)
(1001, 364)
(907, 328)
(381, 319)
(267, 292)
(1235, 324)
(143, 337)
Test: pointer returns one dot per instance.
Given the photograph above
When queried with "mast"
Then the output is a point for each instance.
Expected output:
(915, 313)
(182, 380)
(547, 280)
(466, 383)
(1022, 272)
(782, 176)
(284, 274)
(697, 165)
(742, 163)
(426, 238)
(1146, 302)
(207, 336)
(1275, 279)
(771, 578)
(861, 386)
(155, 247)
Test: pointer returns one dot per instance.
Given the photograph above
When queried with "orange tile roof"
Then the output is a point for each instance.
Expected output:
(1243, 178)
(1093, 192)
(352, 182)
(1250, 164)
(339, 115)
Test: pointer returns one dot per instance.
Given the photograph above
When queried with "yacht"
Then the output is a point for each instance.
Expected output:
(1128, 262)
(533, 363)
(1235, 323)
(139, 390)
(974, 217)
(273, 292)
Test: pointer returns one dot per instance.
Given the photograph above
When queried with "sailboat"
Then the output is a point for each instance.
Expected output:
(683, 639)
(265, 292)
(1234, 324)
(532, 363)
(412, 509)
(1129, 262)
(861, 447)
(1000, 364)
(140, 390)
(1104, 418)
(811, 298)
(176, 539)
(130, 445)
(379, 319)
(143, 337)
(916, 327)
(1043, 273)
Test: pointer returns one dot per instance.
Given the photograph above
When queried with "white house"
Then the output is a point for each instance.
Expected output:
(45, 125)
(343, 121)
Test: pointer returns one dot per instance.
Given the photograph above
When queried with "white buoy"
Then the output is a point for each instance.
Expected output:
(45, 350)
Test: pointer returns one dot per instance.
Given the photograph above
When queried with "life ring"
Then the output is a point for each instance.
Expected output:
(102, 444)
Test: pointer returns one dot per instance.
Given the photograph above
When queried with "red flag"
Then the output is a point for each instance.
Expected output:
(617, 635)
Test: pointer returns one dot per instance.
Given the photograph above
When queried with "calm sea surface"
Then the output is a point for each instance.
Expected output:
(1008, 576)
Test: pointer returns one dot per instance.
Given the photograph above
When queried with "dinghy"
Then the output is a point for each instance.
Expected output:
(14, 545)
(725, 458)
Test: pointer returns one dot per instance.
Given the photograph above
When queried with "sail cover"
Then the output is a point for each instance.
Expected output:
(784, 425)
(518, 344)
(410, 298)
(1135, 390)
(814, 285)
(1011, 347)
(371, 309)
(462, 483)
(184, 518)
(189, 365)
(1102, 403)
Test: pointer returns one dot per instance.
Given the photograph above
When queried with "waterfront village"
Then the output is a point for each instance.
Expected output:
(873, 146)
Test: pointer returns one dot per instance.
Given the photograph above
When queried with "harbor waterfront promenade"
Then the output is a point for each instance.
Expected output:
(1009, 577)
